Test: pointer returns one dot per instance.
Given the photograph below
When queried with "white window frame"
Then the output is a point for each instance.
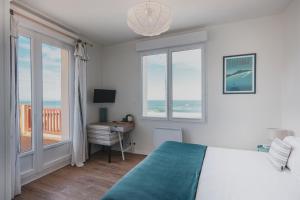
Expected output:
(169, 82)
(44, 39)
(149, 53)
(37, 39)
(30, 35)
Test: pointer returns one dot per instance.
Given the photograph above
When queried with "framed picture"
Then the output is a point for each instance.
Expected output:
(239, 74)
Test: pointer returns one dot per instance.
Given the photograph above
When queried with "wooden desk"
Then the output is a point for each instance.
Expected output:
(122, 127)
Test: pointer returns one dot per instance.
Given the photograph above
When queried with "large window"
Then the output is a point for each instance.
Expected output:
(25, 95)
(55, 63)
(155, 85)
(43, 83)
(173, 84)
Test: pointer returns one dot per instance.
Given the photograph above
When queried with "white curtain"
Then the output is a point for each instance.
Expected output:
(14, 111)
(79, 153)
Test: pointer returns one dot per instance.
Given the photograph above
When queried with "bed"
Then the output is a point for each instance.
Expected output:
(229, 174)
(215, 174)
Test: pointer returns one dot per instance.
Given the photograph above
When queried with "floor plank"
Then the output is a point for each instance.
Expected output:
(87, 183)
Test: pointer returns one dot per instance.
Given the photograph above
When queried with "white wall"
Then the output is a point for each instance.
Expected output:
(93, 81)
(237, 121)
(2, 130)
(291, 86)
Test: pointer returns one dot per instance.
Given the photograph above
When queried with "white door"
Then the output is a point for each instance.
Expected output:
(44, 68)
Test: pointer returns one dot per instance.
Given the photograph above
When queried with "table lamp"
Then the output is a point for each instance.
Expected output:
(278, 133)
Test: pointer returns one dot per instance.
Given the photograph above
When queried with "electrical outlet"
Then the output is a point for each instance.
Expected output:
(133, 143)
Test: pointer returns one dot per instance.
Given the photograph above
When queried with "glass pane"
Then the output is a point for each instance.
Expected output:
(187, 84)
(55, 67)
(154, 85)
(24, 84)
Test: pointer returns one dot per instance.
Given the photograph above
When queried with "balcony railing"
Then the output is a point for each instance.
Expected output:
(52, 120)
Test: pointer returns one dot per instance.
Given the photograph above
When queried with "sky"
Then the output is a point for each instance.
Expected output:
(242, 63)
(51, 59)
(187, 82)
(51, 73)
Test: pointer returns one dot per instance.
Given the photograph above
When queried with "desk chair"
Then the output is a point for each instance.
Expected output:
(103, 135)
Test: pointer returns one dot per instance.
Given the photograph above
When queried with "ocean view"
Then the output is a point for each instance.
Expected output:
(46, 104)
(181, 108)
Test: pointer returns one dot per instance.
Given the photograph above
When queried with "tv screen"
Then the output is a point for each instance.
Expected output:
(104, 96)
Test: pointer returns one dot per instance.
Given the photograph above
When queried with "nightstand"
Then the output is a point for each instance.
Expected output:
(263, 148)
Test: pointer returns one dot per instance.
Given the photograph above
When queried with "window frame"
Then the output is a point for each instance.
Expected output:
(37, 40)
(149, 53)
(30, 35)
(169, 82)
(44, 39)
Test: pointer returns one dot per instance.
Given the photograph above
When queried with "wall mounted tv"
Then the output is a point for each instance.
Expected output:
(104, 96)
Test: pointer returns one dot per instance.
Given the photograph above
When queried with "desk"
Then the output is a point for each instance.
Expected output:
(120, 128)
(123, 127)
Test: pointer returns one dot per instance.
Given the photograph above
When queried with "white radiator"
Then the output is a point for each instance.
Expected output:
(161, 135)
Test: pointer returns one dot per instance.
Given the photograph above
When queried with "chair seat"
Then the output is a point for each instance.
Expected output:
(103, 142)
(100, 135)
(100, 132)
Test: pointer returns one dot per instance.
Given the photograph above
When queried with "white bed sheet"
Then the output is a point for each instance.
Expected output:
(229, 174)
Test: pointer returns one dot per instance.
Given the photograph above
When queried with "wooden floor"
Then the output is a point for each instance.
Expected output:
(87, 183)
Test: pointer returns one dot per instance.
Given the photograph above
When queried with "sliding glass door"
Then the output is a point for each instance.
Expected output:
(25, 94)
(44, 66)
(55, 62)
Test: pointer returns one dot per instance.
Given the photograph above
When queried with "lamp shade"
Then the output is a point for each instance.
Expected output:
(278, 133)
(149, 18)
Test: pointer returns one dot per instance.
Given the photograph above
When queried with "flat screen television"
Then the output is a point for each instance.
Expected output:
(104, 96)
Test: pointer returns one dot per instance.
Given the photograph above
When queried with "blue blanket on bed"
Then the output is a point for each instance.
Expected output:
(171, 172)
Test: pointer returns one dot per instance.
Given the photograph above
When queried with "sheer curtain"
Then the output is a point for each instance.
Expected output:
(14, 110)
(79, 152)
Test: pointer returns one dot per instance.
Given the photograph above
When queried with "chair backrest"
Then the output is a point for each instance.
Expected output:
(94, 130)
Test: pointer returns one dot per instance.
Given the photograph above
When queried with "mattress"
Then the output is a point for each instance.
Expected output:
(229, 174)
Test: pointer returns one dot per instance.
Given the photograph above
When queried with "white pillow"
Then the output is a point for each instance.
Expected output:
(294, 160)
(279, 153)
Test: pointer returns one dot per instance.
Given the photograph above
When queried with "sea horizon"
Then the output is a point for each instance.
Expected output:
(46, 104)
(180, 106)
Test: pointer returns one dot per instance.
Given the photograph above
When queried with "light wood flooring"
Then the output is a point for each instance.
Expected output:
(87, 183)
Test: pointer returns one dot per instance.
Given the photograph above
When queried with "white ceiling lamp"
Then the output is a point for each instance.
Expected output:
(149, 18)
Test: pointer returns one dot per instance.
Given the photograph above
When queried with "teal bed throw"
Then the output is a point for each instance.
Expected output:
(171, 172)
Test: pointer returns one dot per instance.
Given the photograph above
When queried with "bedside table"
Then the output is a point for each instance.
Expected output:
(263, 148)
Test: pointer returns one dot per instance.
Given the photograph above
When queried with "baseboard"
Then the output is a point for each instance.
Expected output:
(56, 162)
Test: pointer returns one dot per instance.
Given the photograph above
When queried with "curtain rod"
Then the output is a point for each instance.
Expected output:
(77, 39)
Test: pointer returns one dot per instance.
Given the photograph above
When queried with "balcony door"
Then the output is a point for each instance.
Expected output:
(43, 82)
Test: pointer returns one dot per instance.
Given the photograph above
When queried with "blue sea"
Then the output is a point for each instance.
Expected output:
(179, 106)
(156, 106)
(46, 104)
(240, 82)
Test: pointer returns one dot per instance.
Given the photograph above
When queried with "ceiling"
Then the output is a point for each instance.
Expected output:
(104, 21)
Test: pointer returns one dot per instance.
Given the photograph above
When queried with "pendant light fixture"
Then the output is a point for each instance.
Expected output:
(149, 18)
